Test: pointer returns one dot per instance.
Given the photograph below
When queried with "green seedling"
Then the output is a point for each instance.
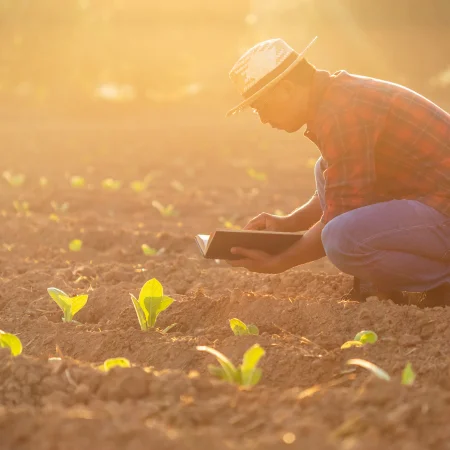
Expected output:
(228, 223)
(408, 375)
(8, 340)
(178, 186)
(362, 338)
(22, 208)
(59, 208)
(75, 245)
(54, 218)
(109, 184)
(350, 344)
(140, 186)
(366, 337)
(148, 251)
(150, 304)
(246, 375)
(377, 371)
(251, 194)
(43, 182)
(14, 180)
(69, 305)
(260, 176)
(77, 181)
(239, 328)
(167, 329)
(165, 211)
(114, 362)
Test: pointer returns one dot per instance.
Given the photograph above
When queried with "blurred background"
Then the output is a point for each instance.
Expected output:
(83, 55)
(110, 107)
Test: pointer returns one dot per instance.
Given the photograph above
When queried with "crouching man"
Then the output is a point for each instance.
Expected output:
(381, 208)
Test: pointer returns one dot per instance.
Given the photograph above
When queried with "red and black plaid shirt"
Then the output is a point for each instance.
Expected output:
(380, 141)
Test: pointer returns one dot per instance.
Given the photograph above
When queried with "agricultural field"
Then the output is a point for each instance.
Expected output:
(98, 208)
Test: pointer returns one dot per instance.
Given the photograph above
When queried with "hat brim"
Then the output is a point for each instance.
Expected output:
(248, 101)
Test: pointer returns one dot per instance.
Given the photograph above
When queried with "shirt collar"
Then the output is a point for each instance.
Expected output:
(321, 81)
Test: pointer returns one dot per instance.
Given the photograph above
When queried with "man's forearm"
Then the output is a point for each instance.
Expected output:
(308, 248)
(306, 216)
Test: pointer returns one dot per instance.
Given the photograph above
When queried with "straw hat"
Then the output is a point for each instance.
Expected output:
(261, 67)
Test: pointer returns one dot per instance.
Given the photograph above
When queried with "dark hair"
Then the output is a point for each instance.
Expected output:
(302, 73)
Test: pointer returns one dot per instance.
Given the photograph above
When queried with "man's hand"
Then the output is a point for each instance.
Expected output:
(269, 222)
(258, 261)
(302, 218)
(308, 248)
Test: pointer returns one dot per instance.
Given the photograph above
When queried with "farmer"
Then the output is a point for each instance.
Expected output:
(381, 209)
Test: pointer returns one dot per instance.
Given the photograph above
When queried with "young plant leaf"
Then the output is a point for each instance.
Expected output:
(8, 340)
(230, 371)
(249, 371)
(115, 362)
(151, 302)
(22, 208)
(75, 245)
(165, 211)
(177, 185)
(63, 208)
(110, 184)
(138, 186)
(140, 313)
(217, 372)
(408, 375)
(349, 344)
(155, 306)
(228, 223)
(148, 251)
(260, 176)
(15, 180)
(377, 371)
(152, 288)
(62, 300)
(167, 329)
(69, 305)
(77, 303)
(238, 327)
(77, 181)
(366, 337)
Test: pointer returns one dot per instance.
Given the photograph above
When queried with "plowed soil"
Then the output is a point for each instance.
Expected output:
(308, 398)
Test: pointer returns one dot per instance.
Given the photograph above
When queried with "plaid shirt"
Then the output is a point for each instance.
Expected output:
(380, 142)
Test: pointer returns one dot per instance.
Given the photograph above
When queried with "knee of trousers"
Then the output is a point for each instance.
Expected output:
(338, 239)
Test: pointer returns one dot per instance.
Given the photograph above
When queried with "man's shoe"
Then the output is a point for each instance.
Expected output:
(439, 296)
(360, 292)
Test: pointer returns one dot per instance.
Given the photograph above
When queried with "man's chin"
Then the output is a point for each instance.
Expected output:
(292, 129)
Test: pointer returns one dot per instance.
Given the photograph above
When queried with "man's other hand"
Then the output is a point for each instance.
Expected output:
(258, 261)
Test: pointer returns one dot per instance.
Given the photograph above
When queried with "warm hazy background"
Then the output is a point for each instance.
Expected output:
(76, 54)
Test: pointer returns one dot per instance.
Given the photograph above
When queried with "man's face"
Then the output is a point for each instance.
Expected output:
(283, 107)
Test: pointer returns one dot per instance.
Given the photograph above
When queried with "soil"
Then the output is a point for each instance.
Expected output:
(308, 397)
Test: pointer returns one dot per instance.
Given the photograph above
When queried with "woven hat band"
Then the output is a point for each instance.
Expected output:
(271, 75)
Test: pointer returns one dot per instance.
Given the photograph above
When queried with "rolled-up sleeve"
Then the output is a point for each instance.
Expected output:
(347, 143)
